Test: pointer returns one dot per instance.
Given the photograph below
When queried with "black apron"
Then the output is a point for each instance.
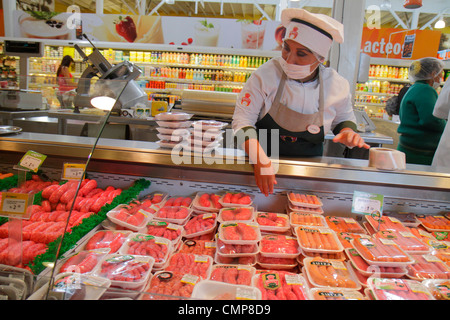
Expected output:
(299, 134)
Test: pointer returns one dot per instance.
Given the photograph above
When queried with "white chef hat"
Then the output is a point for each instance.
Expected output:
(313, 30)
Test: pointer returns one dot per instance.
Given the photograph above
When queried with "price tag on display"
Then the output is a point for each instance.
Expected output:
(367, 203)
(32, 161)
(73, 171)
(15, 203)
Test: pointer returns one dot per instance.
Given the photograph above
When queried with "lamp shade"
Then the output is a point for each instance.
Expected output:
(412, 4)
(440, 24)
(103, 103)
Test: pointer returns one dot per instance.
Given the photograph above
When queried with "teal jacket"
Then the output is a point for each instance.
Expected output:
(419, 130)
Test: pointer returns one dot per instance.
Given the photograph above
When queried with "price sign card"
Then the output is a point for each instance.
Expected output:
(73, 171)
(32, 161)
(367, 203)
(16, 204)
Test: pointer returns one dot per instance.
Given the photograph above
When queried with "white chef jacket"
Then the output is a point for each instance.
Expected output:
(442, 110)
(257, 96)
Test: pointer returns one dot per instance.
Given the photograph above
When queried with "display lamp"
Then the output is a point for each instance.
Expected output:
(412, 4)
(440, 24)
(103, 103)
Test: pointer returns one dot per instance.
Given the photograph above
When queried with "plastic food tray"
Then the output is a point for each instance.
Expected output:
(173, 116)
(174, 124)
(308, 200)
(168, 285)
(162, 196)
(171, 144)
(200, 217)
(190, 263)
(375, 242)
(291, 208)
(318, 234)
(210, 125)
(247, 259)
(223, 233)
(234, 204)
(98, 255)
(387, 223)
(122, 262)
(368, 270)
(171, 138)
(274, 284)
(184, 132)
(113, 243)
(398, 289)
(335, 294)
(207, 247)
(405, 240)
(272, 216)
(113, 213)
(210, 135)
(196, 202)
(439, 288)
(279, 243)
(249, 209)
(434, 223)
(270, 263)
(306, 219)
(232, 273)
(344, 224)
(236, 250)
(178, 229)
(196, 141)
(214, 290)
(334, 268)
(427, 266)
(140, 237)
(407, 218)
(181, 221)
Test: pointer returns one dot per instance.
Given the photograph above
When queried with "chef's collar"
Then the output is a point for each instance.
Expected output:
(314, 31)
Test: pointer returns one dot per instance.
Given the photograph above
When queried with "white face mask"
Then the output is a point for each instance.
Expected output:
(295, 71)
(436, 85)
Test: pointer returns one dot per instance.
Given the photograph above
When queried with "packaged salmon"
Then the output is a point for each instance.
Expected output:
(237, 199)
(428, 266)
(434, 223)
(147, 245)
(236, 232)
(335, 294)
(281, 285)
(199, 265)
(306, 219)
(233, 274)
(405, 240)
(398, 289)
(279, 246)
(318, 239)
(368, 270)
(330, 273)
(272, 222)
(208, 202)
(439, 288)
(381, 252)
(237, 214)
(344, 224)
(200, 225)
(384, 223)
(206, 247)
(304, 200)
(168, 285)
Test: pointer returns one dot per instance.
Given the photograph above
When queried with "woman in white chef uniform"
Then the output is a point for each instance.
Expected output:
(442, 110)
(296, 95)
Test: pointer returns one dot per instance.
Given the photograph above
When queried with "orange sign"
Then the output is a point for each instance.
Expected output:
(400, 43)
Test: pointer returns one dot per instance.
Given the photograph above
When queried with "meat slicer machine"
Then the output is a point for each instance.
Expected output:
(99, 67)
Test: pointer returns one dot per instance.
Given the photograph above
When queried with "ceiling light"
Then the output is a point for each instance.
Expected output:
(439, 24)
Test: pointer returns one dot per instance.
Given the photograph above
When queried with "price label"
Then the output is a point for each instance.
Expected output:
(15, 203)
(32, 160)
(73, 171)
(367, 203)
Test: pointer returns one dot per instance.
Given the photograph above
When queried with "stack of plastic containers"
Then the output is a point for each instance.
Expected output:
(306, 203)
(281, 285)
(174, 129)
(397, 289)
(277, 251)
(207, 135)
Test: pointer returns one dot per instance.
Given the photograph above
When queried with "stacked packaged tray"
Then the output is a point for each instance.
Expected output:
(174, 129)
(206, 135)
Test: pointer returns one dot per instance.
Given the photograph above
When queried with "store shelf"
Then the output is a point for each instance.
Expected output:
(390, 79)
(370, 104)
(365, 93)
